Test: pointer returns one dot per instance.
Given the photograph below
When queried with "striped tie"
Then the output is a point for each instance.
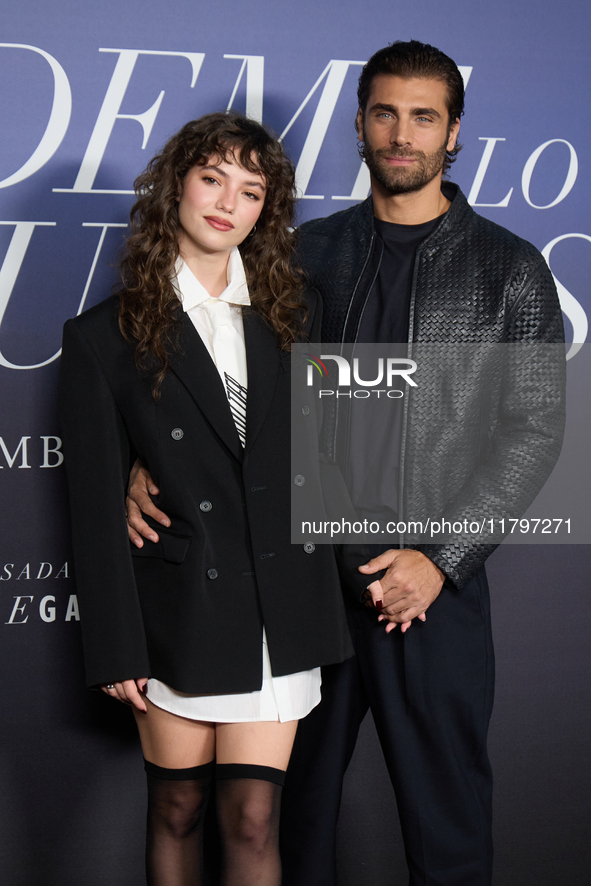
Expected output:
(237, 400)
(230, 359)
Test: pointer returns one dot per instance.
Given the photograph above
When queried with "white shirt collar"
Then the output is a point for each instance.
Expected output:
(192, 293)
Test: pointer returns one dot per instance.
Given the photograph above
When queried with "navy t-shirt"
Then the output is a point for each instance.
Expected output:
(386, 313)
(373, 469)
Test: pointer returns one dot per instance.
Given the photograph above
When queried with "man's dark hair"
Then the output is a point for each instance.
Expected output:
(416, 59)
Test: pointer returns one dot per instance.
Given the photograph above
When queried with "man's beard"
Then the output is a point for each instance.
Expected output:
(404, 179)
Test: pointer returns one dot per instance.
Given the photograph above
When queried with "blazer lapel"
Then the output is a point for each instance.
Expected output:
(197, 371)
(263, 364)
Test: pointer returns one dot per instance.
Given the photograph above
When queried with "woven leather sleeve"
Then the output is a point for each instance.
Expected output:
(475, 283)
(521, 421)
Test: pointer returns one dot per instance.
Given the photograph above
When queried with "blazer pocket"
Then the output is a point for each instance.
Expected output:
(172, 547)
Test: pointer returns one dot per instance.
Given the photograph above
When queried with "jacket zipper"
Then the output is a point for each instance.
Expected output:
(411, 319)
(365, 263)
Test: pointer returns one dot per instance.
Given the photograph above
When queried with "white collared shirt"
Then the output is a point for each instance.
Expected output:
(192, 294)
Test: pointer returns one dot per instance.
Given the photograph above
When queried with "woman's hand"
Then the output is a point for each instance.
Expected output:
(408, 588)
(138, 501)
(129, 692)
(374, 599)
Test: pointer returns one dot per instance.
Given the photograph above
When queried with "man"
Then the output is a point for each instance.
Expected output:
(414, 263)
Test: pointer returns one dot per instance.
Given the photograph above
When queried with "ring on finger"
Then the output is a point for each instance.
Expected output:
(110, 686)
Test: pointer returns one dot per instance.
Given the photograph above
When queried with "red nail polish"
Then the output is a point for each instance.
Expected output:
(379, 604)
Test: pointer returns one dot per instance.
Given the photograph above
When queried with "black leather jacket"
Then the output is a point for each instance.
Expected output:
(474, 282)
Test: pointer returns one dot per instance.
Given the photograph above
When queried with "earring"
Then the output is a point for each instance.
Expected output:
(253, 231)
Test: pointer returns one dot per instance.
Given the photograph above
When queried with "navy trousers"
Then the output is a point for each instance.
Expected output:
(430, 691)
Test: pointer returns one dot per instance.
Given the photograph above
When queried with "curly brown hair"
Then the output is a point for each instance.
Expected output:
(149, 310)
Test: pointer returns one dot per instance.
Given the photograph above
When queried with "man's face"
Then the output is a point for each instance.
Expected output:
(406, 132)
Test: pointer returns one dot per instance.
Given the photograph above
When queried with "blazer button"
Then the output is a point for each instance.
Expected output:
(305, 410)
(309, 547)
(212, 573)
(205, 506)
(177, 433)
(299, 480)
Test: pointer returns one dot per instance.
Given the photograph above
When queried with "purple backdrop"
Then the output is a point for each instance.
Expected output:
(90, 92)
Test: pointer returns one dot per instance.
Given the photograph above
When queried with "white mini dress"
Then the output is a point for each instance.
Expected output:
(280, 698)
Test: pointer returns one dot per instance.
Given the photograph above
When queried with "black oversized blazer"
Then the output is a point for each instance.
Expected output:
(190, 609)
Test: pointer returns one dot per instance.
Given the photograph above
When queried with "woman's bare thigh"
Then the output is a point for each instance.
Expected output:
(174, 742)
(180, 743)
(264, 743)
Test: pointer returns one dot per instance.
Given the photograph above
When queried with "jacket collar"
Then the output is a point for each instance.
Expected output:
(453, 221)
(197, 371)
(195, 368)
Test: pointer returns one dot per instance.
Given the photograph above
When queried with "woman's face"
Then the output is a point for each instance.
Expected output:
(218, 207)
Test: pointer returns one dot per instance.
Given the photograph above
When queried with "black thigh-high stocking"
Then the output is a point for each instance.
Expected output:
(176, 807)
(248, 800)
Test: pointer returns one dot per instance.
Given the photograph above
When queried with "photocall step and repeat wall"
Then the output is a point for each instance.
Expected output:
(90, 91)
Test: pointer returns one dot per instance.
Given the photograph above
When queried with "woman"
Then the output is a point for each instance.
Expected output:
(187, 370)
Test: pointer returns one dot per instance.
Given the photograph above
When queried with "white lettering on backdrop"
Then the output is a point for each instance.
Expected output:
(13, 260)
(331, 80)
(57, 125)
